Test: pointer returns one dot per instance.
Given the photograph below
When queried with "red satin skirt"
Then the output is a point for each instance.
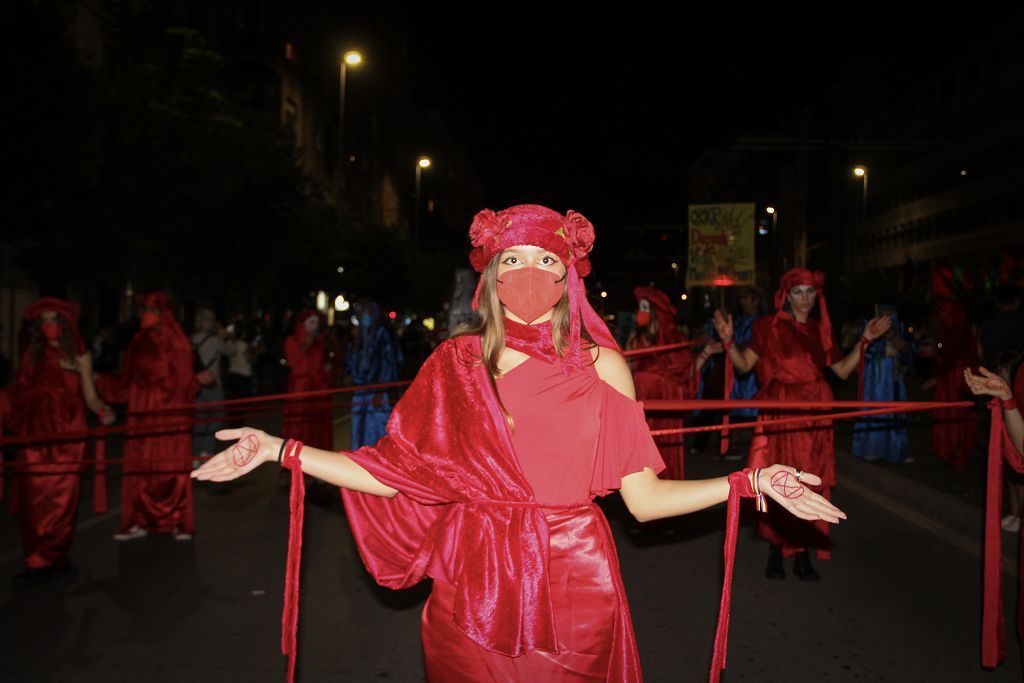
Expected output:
(585, 603)
(48, 501)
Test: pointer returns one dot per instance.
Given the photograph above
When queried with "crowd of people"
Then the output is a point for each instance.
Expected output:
(475, 462)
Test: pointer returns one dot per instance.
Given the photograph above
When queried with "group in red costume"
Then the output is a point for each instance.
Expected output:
(158, 371)
(668, 375)
(480, 485)
(53, 387)
(305, 352)
(789, 352)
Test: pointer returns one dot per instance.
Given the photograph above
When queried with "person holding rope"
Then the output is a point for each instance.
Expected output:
(486, 479)
(53, 388)
(156, 492)
(791, 349)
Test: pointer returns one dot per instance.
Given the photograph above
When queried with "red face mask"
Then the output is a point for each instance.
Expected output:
(149, 320)
(51, 330)
(643, 318)
(529, 293)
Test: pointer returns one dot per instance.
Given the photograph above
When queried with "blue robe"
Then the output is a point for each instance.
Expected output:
(744, 386)
(375, 362)
(883, 437)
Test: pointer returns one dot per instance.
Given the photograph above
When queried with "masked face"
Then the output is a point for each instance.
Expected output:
(51, 330)
(150, 318)
(643, 313)
(531, 280)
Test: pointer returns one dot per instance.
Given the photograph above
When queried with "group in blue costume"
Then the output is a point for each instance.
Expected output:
(374, 359)
(884, 437)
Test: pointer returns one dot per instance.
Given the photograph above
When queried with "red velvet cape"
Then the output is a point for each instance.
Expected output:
(465, 514)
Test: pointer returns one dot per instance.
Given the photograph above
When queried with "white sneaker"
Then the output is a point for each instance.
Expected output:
(134, 532)
(180, 535)
(1010, 523)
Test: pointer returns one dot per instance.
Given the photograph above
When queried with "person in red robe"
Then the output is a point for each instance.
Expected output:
(955, 430)
(53, 387)
(158, 371)
(480, 485)
(305, 353)
(669, 375)
(791, 351)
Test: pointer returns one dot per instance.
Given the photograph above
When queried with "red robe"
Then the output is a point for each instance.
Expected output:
(156, 490)
(791, 367)
(955, 430)
(47, 399)
(670, 376)
(466, 516)
(308, 420)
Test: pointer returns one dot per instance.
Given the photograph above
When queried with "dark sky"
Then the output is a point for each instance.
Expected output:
(603, 112)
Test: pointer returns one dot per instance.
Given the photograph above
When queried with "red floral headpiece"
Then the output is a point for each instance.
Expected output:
(571, 237)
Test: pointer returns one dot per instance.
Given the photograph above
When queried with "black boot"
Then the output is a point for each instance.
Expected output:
(802, 567)
(774, 570)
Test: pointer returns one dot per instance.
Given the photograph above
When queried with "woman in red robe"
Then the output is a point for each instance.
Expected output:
(486, 479)
(156, 491)
(306, 354)
(791, 351)
(53, 387)
(668, 375)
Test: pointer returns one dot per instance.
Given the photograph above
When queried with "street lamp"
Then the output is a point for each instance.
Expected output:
(351, 58)
(774, 213)
(421, 163)
(862, 173)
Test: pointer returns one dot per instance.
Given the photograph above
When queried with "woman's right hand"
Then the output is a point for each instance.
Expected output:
(987, 383)
(252, 448)
(723, 326)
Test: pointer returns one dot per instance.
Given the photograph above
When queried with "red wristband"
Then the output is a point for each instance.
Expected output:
(726, 345)
(1008, 403)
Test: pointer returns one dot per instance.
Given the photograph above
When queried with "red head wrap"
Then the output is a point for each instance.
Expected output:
(664, 313)
(570, 237)
(171, 329)
(67, 310)
(801, 277)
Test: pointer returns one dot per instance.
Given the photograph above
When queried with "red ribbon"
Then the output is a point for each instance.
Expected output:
(99, 474)
(296, 501)
(864, 344)
(739, 487)
(723, 443)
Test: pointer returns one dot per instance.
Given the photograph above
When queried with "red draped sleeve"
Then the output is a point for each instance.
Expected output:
(624, 445)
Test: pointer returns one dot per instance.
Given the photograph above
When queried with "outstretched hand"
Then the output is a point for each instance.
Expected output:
(787, 486)
(253, 448)
(876, 327)
(987, 383)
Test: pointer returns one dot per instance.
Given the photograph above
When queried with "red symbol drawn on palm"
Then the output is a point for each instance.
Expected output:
(786, 484)
(995, 383)
(245, 450)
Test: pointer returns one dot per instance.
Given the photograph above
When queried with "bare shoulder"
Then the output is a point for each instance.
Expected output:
(612, 368)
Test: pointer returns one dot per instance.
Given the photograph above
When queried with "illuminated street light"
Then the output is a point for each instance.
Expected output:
(350, 58)
(421, 163)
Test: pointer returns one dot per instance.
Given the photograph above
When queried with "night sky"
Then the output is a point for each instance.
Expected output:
(604, 112)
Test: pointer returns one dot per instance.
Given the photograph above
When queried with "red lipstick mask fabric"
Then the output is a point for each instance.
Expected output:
(529, 293)
(51, 330)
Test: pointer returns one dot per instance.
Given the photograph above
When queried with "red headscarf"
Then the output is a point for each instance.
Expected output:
(170, 328)
(571, 237)
(65, 309)
(801, 277)
(664, 313)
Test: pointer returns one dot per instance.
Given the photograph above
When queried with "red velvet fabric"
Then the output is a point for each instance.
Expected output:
(307, 420)
(46, 398)
(791, 368)
(467, 516)
(156, 490)
(955, 430)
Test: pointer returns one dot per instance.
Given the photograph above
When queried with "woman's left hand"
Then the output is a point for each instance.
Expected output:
(877, 327)
(787, 486)
(987, 383)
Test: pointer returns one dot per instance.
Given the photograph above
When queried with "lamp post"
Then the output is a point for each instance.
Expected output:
(862, 173)
(351, 58)
(421, 163)
(774, 213)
